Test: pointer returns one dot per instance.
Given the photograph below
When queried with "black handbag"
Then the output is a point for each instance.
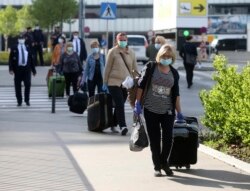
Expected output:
(78, 102)
(139, 138)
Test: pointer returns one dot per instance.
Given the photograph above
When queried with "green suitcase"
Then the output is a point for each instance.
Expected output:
(60, 86)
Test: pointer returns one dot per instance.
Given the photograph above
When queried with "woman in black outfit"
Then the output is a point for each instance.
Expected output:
(159, 93)
(188, 48)
(71, 68)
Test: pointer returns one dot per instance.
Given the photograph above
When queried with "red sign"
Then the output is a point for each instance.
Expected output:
(86, 30)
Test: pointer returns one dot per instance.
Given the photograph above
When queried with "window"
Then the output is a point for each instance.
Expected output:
(228, 9)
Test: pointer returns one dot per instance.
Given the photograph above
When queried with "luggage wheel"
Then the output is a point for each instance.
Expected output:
(187, 166)
(177, 167)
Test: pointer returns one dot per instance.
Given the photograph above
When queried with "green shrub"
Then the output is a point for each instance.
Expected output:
(4, 57)
(47, 58)
(227, 104)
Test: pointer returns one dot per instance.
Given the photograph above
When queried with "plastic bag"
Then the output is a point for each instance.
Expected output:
(139, 138)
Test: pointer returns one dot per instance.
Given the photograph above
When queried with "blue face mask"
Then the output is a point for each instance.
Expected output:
(122, 44)
(157, 46)
(95, 50)
(166, 62)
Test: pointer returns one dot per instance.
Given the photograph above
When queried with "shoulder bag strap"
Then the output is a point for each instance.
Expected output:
(136, 73)
(125, 63)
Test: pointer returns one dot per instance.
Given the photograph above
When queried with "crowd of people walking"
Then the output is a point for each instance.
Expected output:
(157, 96)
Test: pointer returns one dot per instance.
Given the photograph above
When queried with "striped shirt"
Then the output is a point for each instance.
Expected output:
(158, 97)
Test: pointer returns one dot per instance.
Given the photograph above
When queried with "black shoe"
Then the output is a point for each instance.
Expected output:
(168, 171)
(19, 104)
(189, 85)
(28, 103)
(124, 131)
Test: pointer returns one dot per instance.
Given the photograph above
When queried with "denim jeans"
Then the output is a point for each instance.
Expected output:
(119, 96)
(160, 132)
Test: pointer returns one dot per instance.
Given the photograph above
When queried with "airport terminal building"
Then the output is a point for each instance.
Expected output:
(170, 18)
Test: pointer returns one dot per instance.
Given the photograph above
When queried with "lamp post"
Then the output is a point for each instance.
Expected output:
(81, 18)
(0, 33)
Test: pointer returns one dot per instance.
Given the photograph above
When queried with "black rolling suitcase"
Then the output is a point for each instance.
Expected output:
(100, 113)
(78, 102)
(184, 150)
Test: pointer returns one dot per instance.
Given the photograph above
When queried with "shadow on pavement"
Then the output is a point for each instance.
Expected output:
(213, 178)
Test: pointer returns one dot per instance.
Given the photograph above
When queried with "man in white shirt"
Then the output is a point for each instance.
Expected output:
(79, 46)
(21, 65)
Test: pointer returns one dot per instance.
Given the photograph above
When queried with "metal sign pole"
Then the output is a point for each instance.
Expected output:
(53, 105)
(107, 37)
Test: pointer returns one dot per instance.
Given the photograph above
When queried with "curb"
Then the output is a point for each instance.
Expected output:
(225, 158)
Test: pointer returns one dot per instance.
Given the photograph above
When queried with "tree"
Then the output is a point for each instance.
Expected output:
(8, 20)
(25, 19)
(49, 13)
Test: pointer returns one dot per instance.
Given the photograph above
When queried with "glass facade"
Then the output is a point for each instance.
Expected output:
(223, 9)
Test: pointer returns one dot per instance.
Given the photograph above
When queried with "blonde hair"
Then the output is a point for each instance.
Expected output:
(160, 39)
(68, 44)
(166, 48)
(94, 42)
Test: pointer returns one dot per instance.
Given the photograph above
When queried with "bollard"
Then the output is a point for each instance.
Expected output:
(53, 105)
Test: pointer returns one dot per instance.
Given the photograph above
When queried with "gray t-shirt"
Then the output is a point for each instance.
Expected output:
(158, 98)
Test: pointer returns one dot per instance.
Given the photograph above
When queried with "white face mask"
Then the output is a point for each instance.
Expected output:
(37, 28)
(157, 46)
(21, 41)
(60, 40)
(70, 50)
(75, 36)
(95, 50)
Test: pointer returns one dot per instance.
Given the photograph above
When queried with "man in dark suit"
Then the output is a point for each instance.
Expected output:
(39, 43)
(79, 46)
(189, 48)
(29, 39)
(55, 36)
(21, 65)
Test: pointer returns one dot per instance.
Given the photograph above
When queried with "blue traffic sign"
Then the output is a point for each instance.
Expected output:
(108, 10)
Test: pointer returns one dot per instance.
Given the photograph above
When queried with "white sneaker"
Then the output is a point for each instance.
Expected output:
(124, 131)
(157, 173)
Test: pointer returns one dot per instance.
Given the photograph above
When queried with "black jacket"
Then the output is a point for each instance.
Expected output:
(188, 47)
(38, 36)
(29, 40)
(150, 67)
(83, 53)
(13, 61)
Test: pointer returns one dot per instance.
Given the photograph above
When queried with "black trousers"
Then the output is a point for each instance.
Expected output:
(71, 78)
(160, 132)
(92, 84)
(189, 73)
(119, 96)
(22, 75)
(38, 49)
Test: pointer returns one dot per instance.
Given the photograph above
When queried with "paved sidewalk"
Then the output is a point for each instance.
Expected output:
(41, 151)
(44, 151)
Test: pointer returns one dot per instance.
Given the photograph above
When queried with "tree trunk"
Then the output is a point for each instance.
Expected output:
(6, 42)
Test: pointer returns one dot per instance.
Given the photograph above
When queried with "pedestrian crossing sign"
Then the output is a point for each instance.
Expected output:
(108, 10)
